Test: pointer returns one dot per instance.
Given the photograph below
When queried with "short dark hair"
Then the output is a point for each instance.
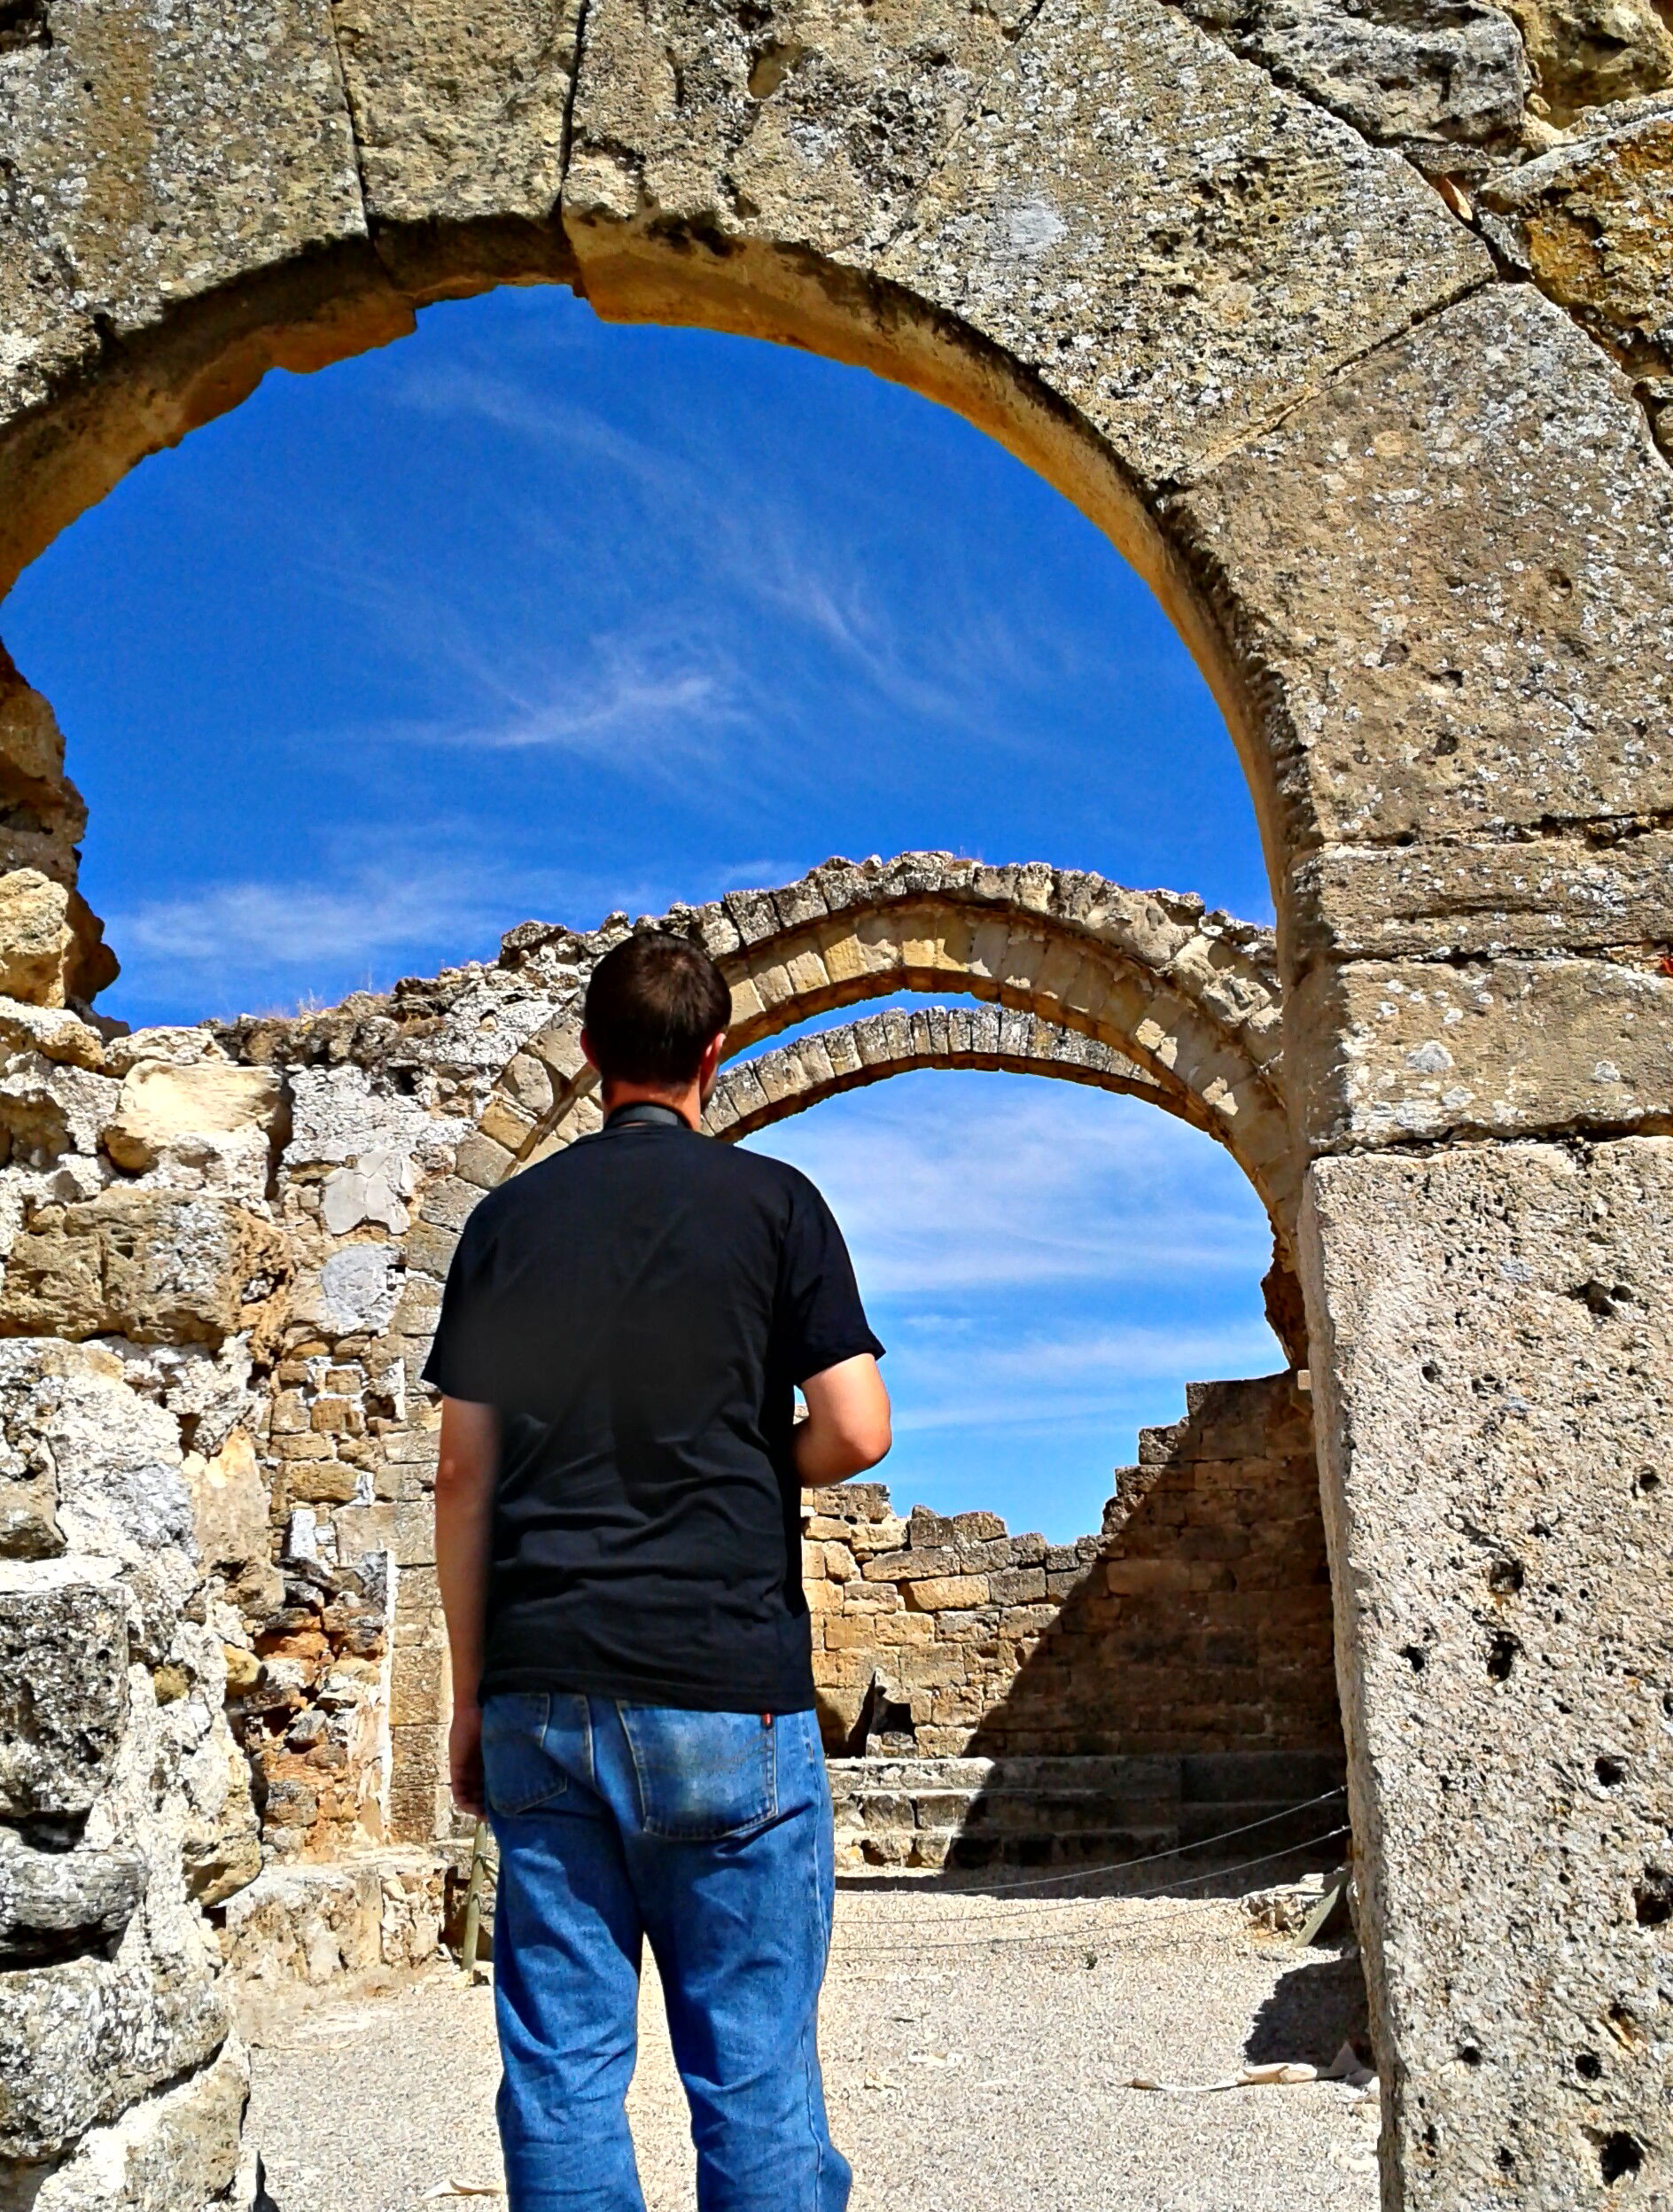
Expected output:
(652, 1005)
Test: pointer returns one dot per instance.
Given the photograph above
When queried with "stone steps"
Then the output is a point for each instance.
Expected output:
(1066, 1812)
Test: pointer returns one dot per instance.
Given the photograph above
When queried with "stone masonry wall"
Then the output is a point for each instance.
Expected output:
(1198, 1621)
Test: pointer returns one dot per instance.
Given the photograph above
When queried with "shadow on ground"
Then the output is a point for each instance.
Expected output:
(1313, 2010)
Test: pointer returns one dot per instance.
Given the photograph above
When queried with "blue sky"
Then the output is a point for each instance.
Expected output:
(530, 616)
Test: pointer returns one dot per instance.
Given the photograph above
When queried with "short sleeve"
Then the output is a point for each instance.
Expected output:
(821, 1320)
(462, 1361)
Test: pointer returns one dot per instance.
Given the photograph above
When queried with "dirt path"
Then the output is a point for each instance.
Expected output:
(976, 2051)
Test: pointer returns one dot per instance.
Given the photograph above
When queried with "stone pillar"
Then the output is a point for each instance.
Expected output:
(1496, 1390)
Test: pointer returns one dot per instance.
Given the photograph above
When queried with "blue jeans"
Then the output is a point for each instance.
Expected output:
(710, 1835)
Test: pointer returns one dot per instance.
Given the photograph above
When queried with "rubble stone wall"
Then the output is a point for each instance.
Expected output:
(1348, 324)
(1198, 1621)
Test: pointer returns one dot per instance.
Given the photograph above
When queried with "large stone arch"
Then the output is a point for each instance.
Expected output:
(1410, 518)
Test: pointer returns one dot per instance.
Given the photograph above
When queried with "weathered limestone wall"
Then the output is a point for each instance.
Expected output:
(1198, 1621)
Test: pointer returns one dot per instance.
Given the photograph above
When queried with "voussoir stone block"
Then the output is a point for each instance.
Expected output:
(157, 157)
(1489, 1334)
(1450, 646)
(808, 125)
(169, 152)
(460, 109)
(1439, 81)
(1390, 1051)
(63, 1692)
(1179, 249)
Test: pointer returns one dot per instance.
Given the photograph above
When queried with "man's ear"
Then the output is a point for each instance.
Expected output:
(587, 1054)
(709, 1066)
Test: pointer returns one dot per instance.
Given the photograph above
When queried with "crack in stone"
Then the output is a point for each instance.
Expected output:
(583, 17)
(353, 121)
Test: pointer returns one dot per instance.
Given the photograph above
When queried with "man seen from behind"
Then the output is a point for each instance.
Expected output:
(618, 1541)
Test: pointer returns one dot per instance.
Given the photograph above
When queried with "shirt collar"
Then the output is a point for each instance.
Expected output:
(647, 1113)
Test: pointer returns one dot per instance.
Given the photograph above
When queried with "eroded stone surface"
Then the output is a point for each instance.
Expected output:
(333, 1924)
(1587, 52)
(162, 1106)
(173, 2152)
(160, 1266)
(1495, 1429)
(60, 1903)
(1181, 250)
(1401, 1051)
(810, 125)
(63, 1691)
(80, 2042)
(167, 155)
(36, 942)
(1453, 644)
(43, 820)
(1595, 220)
(1439, 81)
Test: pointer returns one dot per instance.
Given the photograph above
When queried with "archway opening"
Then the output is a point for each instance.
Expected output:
(1189, 998)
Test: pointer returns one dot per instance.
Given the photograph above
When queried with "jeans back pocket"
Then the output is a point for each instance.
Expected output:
(518, 1772)
(702, 1776)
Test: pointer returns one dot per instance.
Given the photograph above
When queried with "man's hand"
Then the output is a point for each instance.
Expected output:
(465, 1760)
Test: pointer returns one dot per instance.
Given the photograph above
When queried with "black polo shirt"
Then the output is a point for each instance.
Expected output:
(640, 1307)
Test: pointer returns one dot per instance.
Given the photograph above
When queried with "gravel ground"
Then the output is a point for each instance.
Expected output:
(977, 2048)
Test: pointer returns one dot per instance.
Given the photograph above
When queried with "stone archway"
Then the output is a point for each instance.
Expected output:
(1189, 998)
(1410, 516)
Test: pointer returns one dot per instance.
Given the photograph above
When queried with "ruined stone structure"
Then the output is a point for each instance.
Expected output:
(1165, 1681)
(1349, 326)
(1197, 1620)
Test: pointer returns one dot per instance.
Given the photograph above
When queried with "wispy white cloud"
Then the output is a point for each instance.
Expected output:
(435, 895)
(1022, 1183)
(457, 391)
(631, 711)
(286, 924)
(1065, 1381)
(753, 547)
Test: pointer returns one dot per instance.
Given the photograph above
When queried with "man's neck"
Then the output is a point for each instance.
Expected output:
(686, 1103)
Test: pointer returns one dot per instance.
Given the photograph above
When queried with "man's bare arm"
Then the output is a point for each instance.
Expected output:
(847, 1427)
(464, 1523)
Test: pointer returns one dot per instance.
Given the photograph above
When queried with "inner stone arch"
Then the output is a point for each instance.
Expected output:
(988, 1696)
(753, 1093)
